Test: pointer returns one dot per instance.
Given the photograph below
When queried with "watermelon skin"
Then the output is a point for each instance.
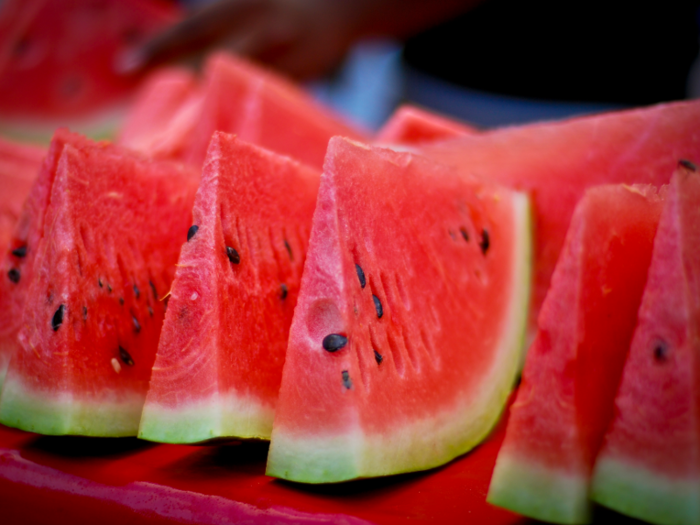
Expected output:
(411, 125)
(555, 162)
(558, 420)
(443, 368)
(648, 467)
(19, 166)
(91, 319)
(57, 62)
(219, 364)
(264, 109)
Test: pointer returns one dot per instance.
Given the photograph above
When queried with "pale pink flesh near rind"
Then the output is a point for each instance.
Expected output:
(557, 422)
(649, 466)
(345, 415)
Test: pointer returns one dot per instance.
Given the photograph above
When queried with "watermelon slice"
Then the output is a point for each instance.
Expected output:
(260, 107)
(164, 113)
(556, 161)
(565, 400)
(219, 362)
(648, 466)
(19, 166)
(411, 125)
(103, 234)
(409, 326)
(57, 61)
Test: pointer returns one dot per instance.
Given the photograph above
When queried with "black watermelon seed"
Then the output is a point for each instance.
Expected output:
(289, 249)
(84, 313)
(283, 291)
(20, 252)
(334, 342)
(109, 288)
(378, 306)
(464, 233)
(13, 274)
(661, 352)
(99, 281)
(153, 289)
(57, 319)
(378, 357)
(192, 231)
(150, 311)
(347, 383)
(233, 255)
(125, 357)
(137, 325)
(687, 164)
(121, 301)
(361, 276)
(485, 242)
(137, 292)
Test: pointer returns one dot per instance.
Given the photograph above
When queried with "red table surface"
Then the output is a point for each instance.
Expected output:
(91, 480)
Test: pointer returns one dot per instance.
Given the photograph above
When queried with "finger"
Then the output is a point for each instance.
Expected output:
(197, 32)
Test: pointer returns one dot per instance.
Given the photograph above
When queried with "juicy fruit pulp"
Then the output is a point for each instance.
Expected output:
(109, 238)
(648, 466)
(564, 403)
(408, 331)
(410, 125)
(556, 161)
(219, 362)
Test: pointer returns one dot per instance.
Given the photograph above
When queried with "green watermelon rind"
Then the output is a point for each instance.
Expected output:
(431, 442)
(645, 494)
(534, 490)
(219, 416)
(29, 410)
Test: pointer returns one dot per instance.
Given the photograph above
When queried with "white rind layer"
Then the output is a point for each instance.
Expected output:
(220, 416)
(110, 415)
(538, 492)
(430, 442)
(636, 491)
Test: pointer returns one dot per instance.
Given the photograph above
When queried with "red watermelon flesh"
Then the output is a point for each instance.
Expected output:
(164, 113)
(219, 362)
(57, 60)
(264, 109)
(573, 368)
(19, 166)
(408, 330)
(556, 161)
(101, 251)
(649, 466)
(411, 125)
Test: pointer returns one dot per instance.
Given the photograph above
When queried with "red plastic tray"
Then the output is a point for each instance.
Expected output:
(123, 481)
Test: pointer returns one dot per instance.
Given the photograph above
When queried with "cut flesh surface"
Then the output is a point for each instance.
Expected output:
(409, 326)
(558, 419)
(411, 125)
(219, 362)
(556, 161)
(262, 108)
(649, 466)
(111, 228)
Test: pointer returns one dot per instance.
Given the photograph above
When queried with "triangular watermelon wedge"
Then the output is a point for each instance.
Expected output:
(103, 234)
(556, 161)
(220, 357)
(411, 125)
(573, 368)
(649, 466)
(408, 331)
